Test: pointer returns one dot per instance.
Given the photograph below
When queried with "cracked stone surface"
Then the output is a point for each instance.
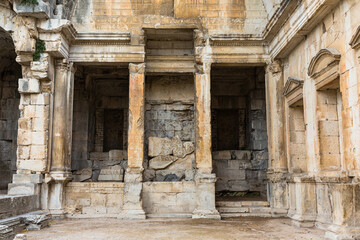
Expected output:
(164, 229)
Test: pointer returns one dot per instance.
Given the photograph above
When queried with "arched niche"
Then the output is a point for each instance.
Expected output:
(295, 125)
(10, 72)
(324, 68)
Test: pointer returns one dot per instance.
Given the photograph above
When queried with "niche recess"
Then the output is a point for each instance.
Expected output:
(324, 69)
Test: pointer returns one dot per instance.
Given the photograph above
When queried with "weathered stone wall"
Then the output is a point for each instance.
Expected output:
(106, 199)
(242, 92)
(10, 72)
(246, 16)
(330, 122)
(169, 198)
(94, 199)
(99, 143)
(170, 114)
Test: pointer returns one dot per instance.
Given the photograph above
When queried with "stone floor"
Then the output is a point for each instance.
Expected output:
(174, 229)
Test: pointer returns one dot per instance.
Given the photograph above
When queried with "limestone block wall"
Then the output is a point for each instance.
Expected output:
(10, 72)
(106, 199)
(170, 114)
(240, 171)
(100, 126)
(331, 123)
(85, 199)
(240, 16)
(161, 198)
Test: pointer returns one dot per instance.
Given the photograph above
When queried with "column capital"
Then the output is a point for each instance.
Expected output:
(137, 68)
(64, 64)
(203, 68)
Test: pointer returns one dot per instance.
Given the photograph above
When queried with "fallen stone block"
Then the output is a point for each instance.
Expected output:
(162, 162)
(178, 148)
(36, 222)
(189, 147)
(111, 173)
(82, 175)
(20, 237)
(159, 146)
(6, 232)
(183, 163)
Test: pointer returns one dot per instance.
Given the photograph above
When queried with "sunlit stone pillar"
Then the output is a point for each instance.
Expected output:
(132, 208)
(205, 179)
(277, 172)
(60, 168)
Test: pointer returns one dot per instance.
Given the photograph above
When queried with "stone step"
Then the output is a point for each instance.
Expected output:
(169, 215)
(244, 210)
(235, 215)
(242, 204)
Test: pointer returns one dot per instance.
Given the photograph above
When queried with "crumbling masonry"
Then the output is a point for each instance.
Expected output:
(182, 108)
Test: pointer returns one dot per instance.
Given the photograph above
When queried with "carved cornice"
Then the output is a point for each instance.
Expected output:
(102, 39)
(293, 90)
(237, 40)
(292, 84)
(355, 40)
(324, 67)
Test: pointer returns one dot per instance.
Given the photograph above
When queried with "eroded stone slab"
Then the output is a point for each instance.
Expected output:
(162, 162)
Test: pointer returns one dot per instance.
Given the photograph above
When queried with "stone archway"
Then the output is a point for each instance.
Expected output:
(10, 72)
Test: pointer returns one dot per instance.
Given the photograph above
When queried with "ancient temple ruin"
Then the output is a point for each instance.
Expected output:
(137, 109)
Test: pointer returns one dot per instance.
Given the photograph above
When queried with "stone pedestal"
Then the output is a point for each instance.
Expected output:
(56, 194)
(305, 202)
(205, 180)
(205, 196)
(132, 208)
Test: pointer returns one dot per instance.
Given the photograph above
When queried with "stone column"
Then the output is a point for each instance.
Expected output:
(60, 168)
(277, 172)
(205, 179)
(132, 208)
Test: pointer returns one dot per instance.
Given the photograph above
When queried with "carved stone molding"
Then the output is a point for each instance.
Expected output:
(137, 68)
(355, 40)
(203, 68)
(237, 40)
(293, 90)
(275, 66)
(324, 68)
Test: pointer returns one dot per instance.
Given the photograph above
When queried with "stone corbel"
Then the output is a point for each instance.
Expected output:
(275, 67)
(137, 68)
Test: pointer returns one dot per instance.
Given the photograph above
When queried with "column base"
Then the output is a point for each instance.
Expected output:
(303, 221)
(57, 213)
(132, 214)
(206, 214)
(303, 224)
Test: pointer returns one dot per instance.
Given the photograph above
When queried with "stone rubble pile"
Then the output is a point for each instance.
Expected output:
(105, 166)
(171, 159)
(36, 221)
